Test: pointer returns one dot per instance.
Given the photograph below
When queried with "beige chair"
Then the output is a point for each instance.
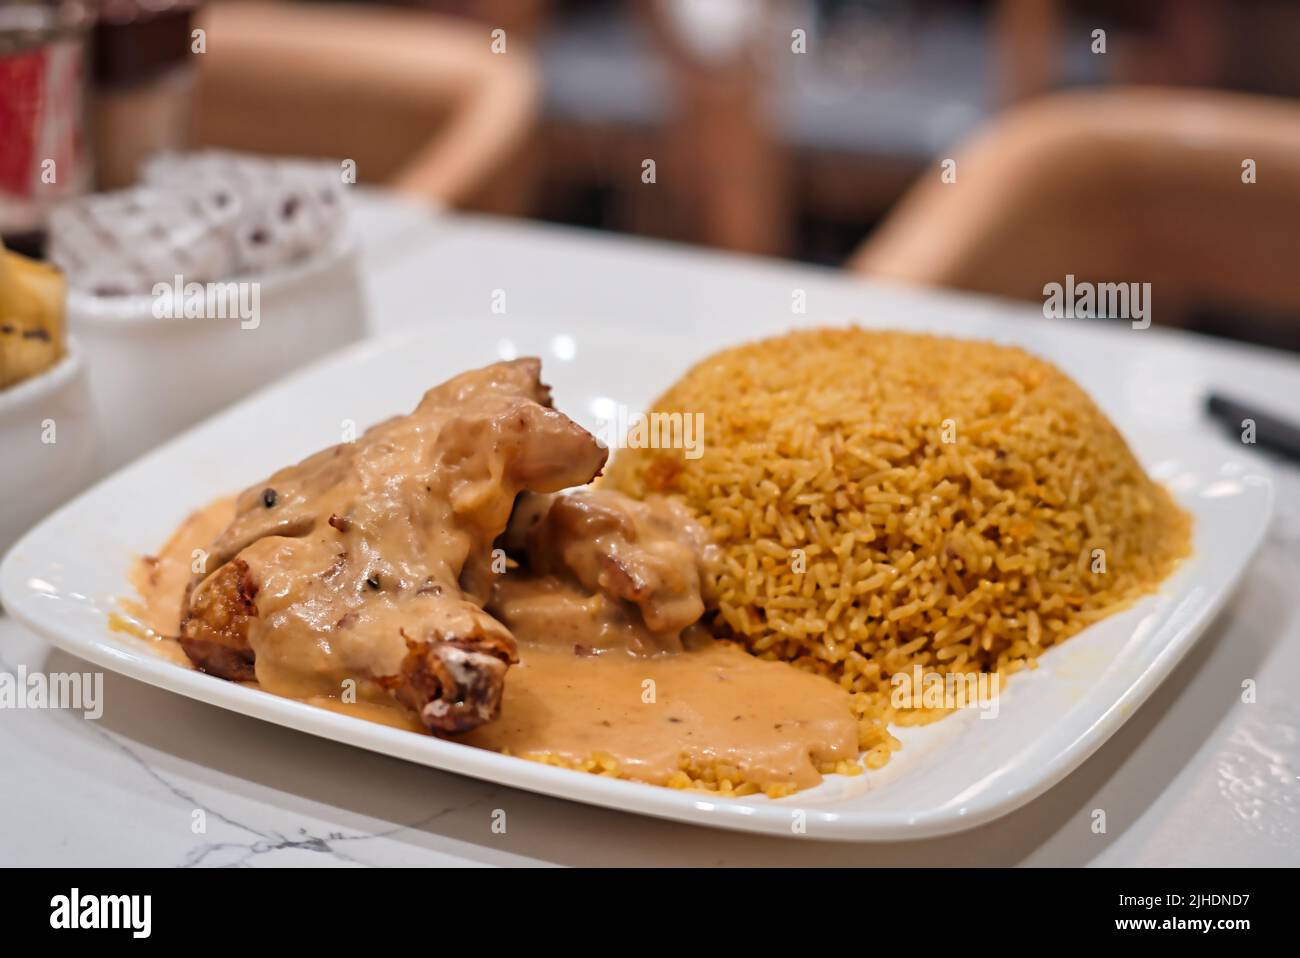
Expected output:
(418, 101)
(1127, 185)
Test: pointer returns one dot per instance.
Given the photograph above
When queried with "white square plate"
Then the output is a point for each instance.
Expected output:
(62, 579)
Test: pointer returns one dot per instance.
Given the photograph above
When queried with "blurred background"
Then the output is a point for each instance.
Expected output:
(987, 145)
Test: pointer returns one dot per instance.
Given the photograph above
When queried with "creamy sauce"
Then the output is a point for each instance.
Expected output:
(613, 663)
(652, 714)
(154, 617)
(160, 580)
(370, 579)
(579, 692)
(369, 563)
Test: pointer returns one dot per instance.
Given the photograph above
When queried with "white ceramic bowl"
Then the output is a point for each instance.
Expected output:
(47, 443)
(151, 376)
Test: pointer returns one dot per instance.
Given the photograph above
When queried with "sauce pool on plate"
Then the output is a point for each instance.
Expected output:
(586, 685)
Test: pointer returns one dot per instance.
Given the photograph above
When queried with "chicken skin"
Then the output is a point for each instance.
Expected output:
(371, 561)
(636, 567)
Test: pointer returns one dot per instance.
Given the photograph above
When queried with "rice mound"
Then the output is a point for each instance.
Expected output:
(887, 500)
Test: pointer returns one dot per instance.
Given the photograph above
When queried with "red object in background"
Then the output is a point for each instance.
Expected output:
(42, 115)
(22, 93)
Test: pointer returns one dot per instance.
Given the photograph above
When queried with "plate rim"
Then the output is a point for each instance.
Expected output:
(773, 817)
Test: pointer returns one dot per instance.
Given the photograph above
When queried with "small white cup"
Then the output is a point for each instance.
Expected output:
(153, 375)
(47, 443)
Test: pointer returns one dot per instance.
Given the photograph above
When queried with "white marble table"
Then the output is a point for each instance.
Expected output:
(1194, 778)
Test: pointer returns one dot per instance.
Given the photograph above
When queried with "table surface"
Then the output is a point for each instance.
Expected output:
(1195, 777)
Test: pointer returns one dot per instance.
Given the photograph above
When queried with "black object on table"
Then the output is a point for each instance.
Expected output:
(1270, 431)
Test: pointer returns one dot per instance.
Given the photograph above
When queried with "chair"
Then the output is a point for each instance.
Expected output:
(418, 101)
(1127, 185)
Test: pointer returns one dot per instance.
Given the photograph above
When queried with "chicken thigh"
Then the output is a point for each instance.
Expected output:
(371, 560)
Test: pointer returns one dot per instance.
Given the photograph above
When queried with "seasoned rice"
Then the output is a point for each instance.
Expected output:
(889, 500)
